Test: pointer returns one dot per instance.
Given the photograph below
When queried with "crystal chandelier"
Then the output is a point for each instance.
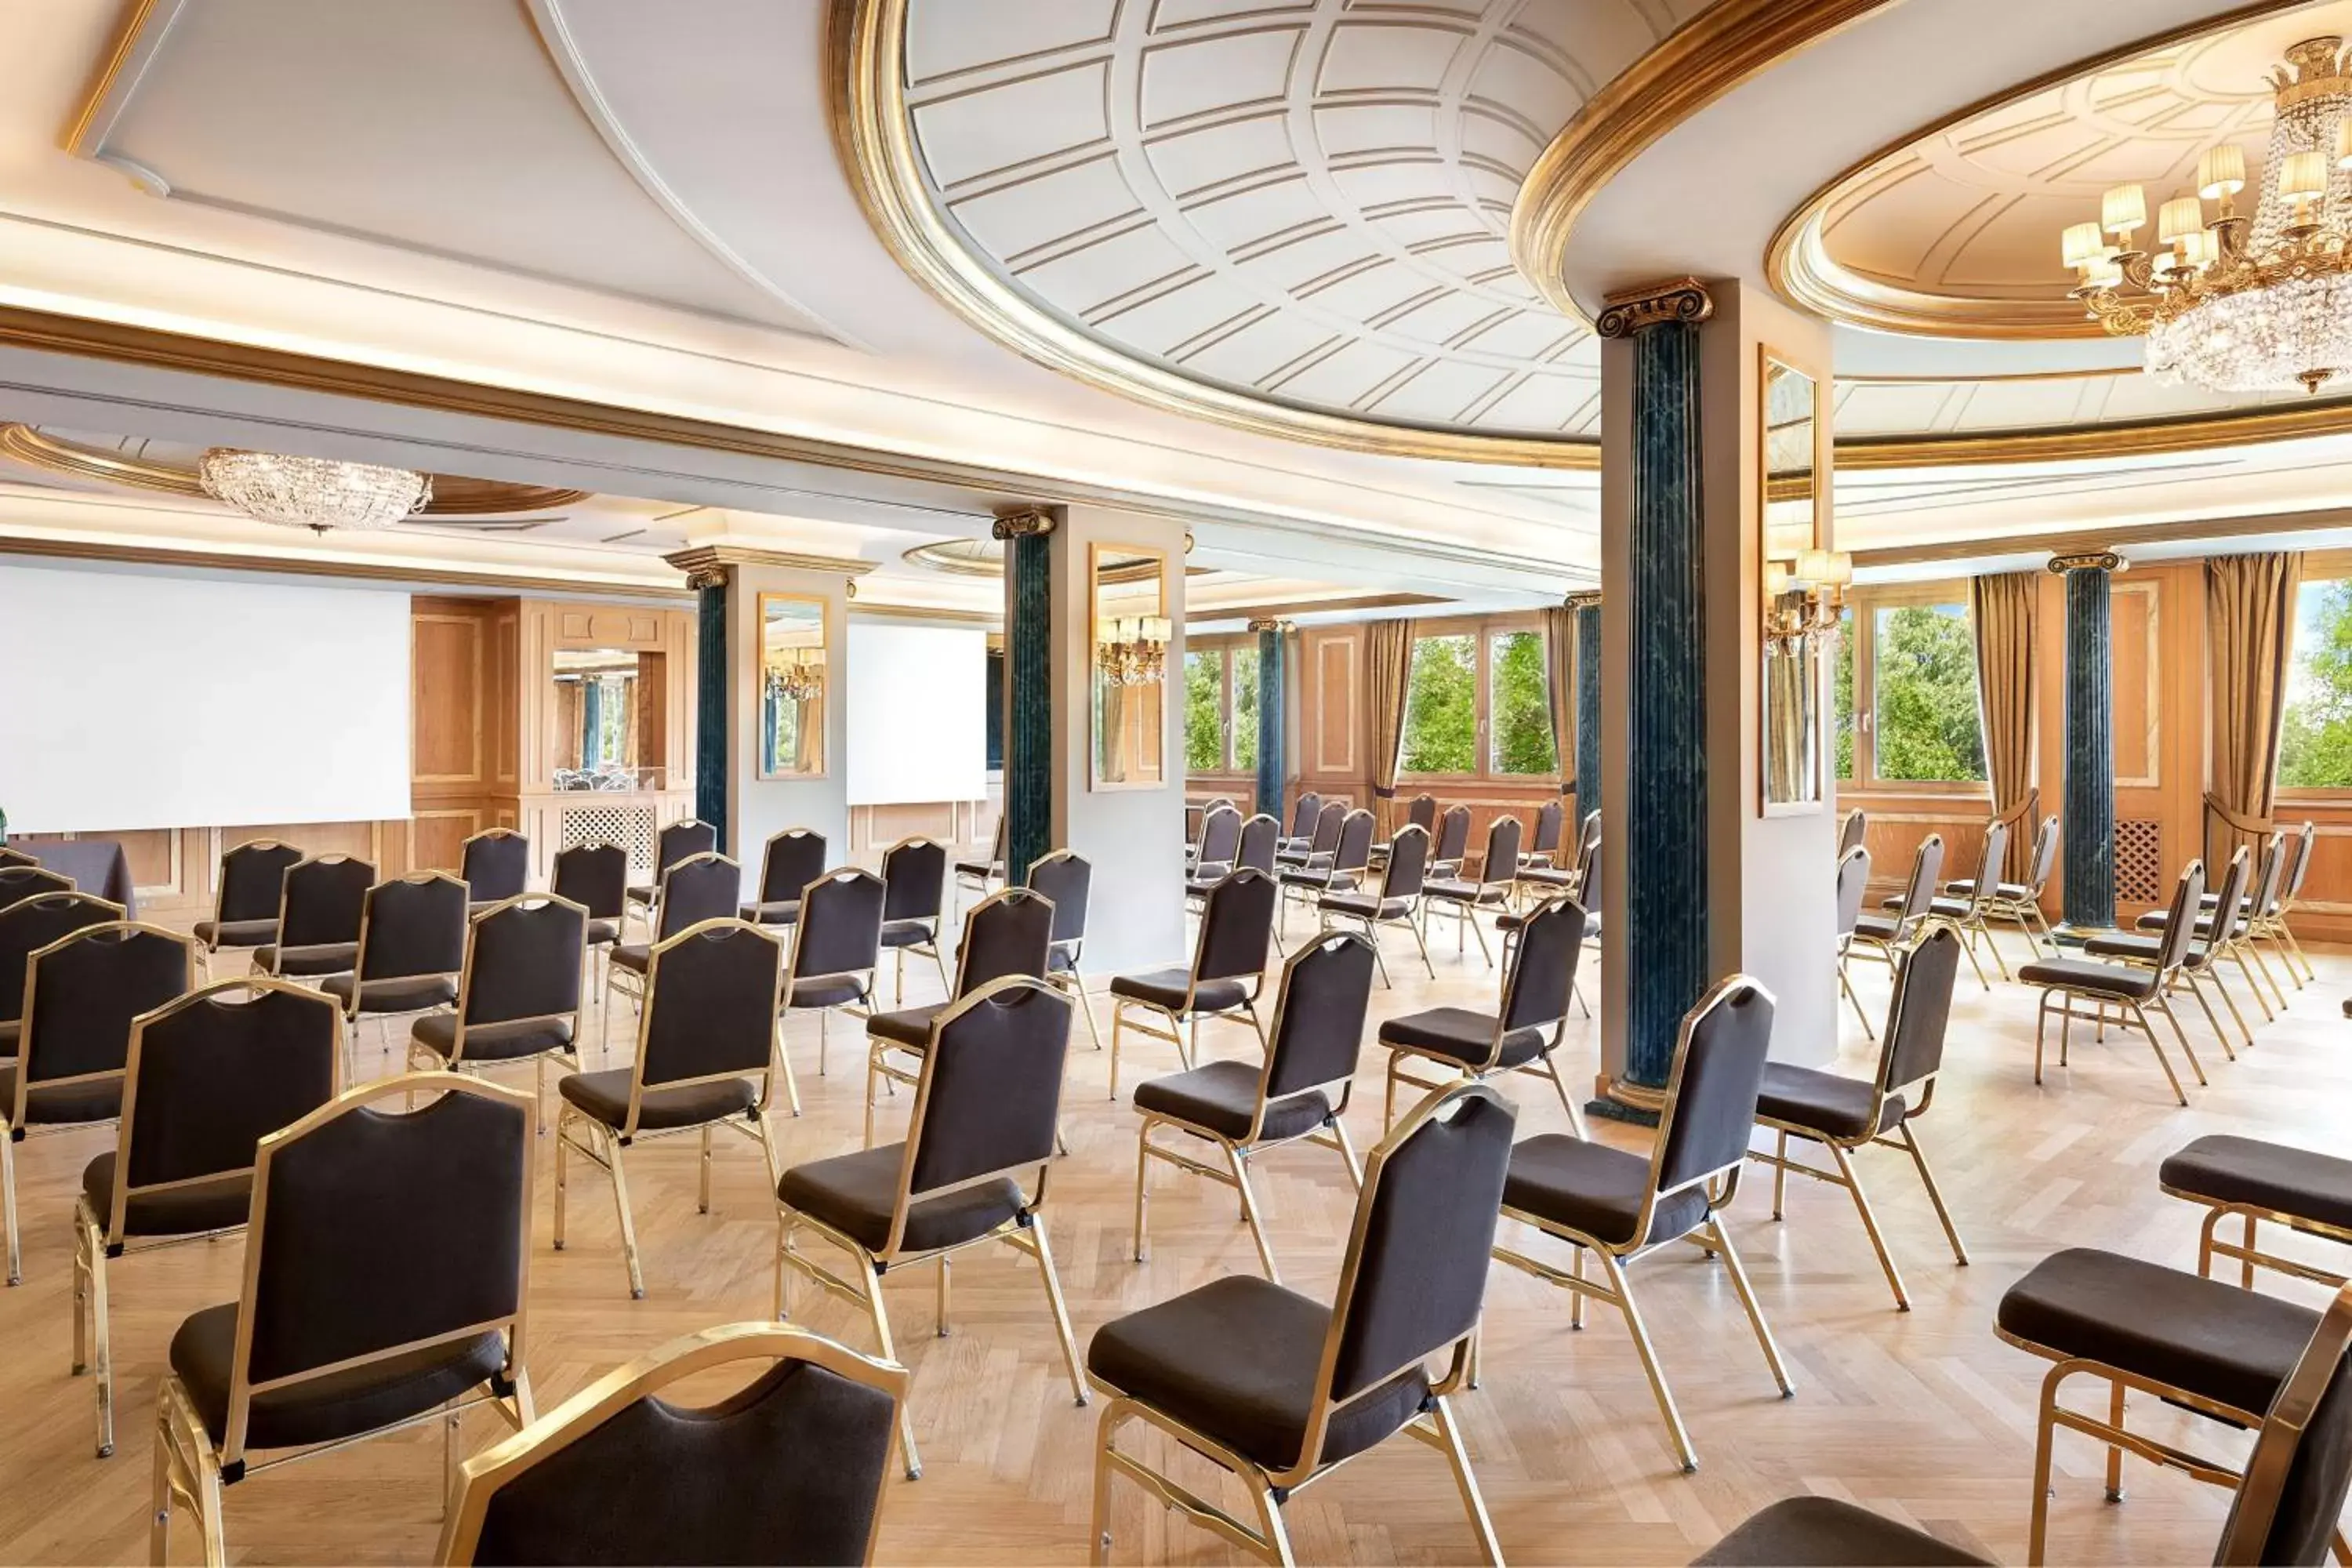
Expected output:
(795, 674)
(1805, 600)
(312, 492)
(1132, 650)
(2241, 303)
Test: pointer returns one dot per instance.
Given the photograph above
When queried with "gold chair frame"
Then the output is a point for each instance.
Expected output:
(866, 979)
(423, 1059)
(2158, 997)
(627, 982)
(351, 1009)
(278, 946)
(879, 1067)
(1186, 1017)
(929, 946)
(1886, 950)
(1068, 980)
(1540, 1065)
(1329, 919)
(205, 950)
(2247, 1254)
(645, 907)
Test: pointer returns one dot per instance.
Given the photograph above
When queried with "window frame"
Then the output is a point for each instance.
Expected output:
(1223, 648)
(1481, 630)
(1865, 603)
(2319, 566)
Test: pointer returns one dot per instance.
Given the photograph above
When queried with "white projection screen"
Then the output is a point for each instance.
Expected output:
(917, 714)
(137, 699)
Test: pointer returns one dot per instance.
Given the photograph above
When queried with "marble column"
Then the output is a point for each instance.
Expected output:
(711, 704)
(1028, 689)
(1273, 766)
(1588, 714)
(2090, 790)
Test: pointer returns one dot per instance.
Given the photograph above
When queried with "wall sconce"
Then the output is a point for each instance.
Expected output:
(1132, 650)
(795, 674)
(1806, 598)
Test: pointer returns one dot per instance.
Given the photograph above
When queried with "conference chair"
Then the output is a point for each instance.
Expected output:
(27, 926)
(1883, 938)
(1550, 879)
(1278, 1390)
(1461, 897)
(1260, 836)
(1397, 901)
(82, 992)
(986, 1110)
(788, 1468)
(914, 874)
(2193, 1343)
(791, 860)
(1852, 886)
(321, 904)
(1543, 845)
(1450, 841)
(1067, 878)
(412, 948)
(1844, 1115)
(699, 888)
(836, 955)
(207, 1075)
(1538, 976)
(2233, 935)
(1195, 818)
(385, 1274)
(1227, 974)
(1321, 843)
(977, 875)
(1221, 840)
(705, 1052)
(2201, 961)
(2298, 868)
(2021, 902)
(519, 995)
(1300, 1093)
(246, 894)
(494, 865)
(2264, 922)
(2253, 1181)
(1967, 913)
(1342, 872)
(596, 878)
(1419, 812)
(673, 844)
(1622, 1207)
(2121, 993)
(1853, 831)
(1011, 932)
(1581, 883)
(1304, 817)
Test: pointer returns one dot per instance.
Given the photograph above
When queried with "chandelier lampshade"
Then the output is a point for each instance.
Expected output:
(316, 493)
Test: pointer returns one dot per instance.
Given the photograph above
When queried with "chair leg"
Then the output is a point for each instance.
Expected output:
(1567, 1101)
(1085, 1006)
(1869, 1225)
(823, 1037)
(2238, 951)
(1117, 1024)
(2197, 989)
(1046, 1271)
(1440, 1415)
(1624, 1294)
(2294, 944)
(784, 1060)
(1270, 1525)
(2046, 1429)
(8, 1204)
(1469, 916)
(1421, 942)
(1739, 1270)
(1250, 1213)
(101, 1341)
(1348, 1153)
(1780, 1174)
(2164, 1005)
(2162, 1060)
(1142, 1198)
(2221, 989)
(1373, 935)
(1845, 983)
(1969, 946)
(873, 1282)
(702, 1199)
(628, 1221)
(1935, 1193)
(2000, 962)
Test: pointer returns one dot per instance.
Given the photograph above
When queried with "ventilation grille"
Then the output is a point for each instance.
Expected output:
(630, 827)
(2140, 860)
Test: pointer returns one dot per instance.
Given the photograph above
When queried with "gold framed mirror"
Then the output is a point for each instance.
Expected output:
(794, 683)
(1795, 578)
(1128, 660)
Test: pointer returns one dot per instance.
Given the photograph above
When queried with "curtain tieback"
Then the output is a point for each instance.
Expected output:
(2022, 810)
(1380, 794)
(2238, 820)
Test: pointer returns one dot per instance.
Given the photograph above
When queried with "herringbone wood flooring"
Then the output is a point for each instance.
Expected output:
(1925, 1415)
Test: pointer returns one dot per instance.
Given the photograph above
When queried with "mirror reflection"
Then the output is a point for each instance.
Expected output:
(600, 730)
(793, 676)
(1130, 664)
(1794, 577)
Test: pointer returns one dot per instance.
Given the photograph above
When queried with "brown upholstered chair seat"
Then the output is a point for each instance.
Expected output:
(1950, 909)
(1197, 887)
(605, 1097)
(342, 1404)
(636, 957)
(1594, 1190)
(854, 1193)
(1236, 1359)
(908, 1026)
(1166, 988)
(2143, 948)
(823, 991)
(237, 934)
(403, 993)
(1462, 1035)
(66, 1103)
(1549, 876)
(1966, 890)
(327, 958)
(2089, 975)
(1831, 1534)
(1321, 877)
(437, 1032)
(1367, 906)
(2226, 1170)
(907, 933)
(603, 934)
(175, 1211)
(1221, 1097)
(775, 912)
(1453, 892)
(1823, 1101)
(2155, 921)
(1877, 928)
(2165, 1324)
(642, 892)
(979, 868)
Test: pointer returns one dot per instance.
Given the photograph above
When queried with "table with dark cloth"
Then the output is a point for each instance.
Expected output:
(96, 865)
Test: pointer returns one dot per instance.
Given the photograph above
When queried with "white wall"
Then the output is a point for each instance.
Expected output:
(143, 698)
(917, 714)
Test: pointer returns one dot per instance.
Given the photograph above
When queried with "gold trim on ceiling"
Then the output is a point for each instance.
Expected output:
(985, 558)
(1797, 264)
(873, 138)
(1721, 48)
(453, 495)
(313, 566)
(2214, 529)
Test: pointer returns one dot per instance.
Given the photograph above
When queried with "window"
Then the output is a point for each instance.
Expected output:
(1519, 698)
(2316, 731)
(1440, 706)
(1221, 708)
(1905, 690)
(1479, 696)
(1241, 679)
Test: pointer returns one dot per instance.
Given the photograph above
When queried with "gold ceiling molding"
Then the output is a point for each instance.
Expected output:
(1722, 48)
(453, 495)
(2204, 530)
(477, 582)
(874, 136)
(1803, 273)
(704, 562)
(2077, 443)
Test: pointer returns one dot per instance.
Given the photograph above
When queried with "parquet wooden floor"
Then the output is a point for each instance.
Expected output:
(1925, 1415)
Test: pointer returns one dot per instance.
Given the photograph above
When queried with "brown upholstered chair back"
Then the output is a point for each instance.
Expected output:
(1221, 836)
(840, 932)
(1919, 893)
(1453, 833)
(496, 865)
(991, 1097)
(525, 959)
(1711, 1090)
(2301, 1467)
(1408, 867)
(712, 995)
(325, 898)
(595, 876)
(2300, 866)
(1235, 927)
(1355, 850)
(914, 875)
(1305, 815)
(1855, 829)
(1318, 1019)
(1549, 818)
(1990, 859)
(1195, 818)
(1502, 861)
(1422, 811)
(28, 880)
(1852, 883)
(1007, 932)
(1260, 835)
(706, 887)
(792, 859)
(82, 991)
(1543, 966)
(2229, 903)
(1920, 1011)
(414, 925)
(1067, 878)
(680, 839)
(1588, 864)
(252, 880)
(1328, 823)
(1414, 1277)
(33, 924)
(2274, 876)
(2045, 856)
(2180, 923)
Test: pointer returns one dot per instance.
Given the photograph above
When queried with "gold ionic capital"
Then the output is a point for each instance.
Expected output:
(1628, 310)
(1022, 522)
(1583, 599)
(1272, 624)
(2088, 561)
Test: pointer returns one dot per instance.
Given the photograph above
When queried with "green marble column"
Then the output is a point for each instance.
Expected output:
(710, 714)
(1588, 714)
(1273, 766)
(1028, 691)
(2090, 790)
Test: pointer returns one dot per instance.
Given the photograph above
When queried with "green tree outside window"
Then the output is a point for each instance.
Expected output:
(1924, 670)
(1842, 694)
(1519, 706)
(1245, 681)
(2316, 733)
(1441, 710)
(1204, 713)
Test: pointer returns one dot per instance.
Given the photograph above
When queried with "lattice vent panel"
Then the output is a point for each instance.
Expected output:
(2140, 860)
(630, 827)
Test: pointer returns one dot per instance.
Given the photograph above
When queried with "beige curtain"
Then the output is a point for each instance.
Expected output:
(1388, 667)
(1560, 661)
(2249, 638)
(2003, 609)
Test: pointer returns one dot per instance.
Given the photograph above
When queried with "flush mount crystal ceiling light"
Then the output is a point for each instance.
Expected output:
(316, 493)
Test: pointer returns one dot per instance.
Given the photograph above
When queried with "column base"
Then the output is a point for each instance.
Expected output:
(1623, 1100)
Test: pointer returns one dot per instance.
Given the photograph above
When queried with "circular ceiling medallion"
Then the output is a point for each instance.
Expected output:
(985, 558)
(1952, 232)
(170, 470)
